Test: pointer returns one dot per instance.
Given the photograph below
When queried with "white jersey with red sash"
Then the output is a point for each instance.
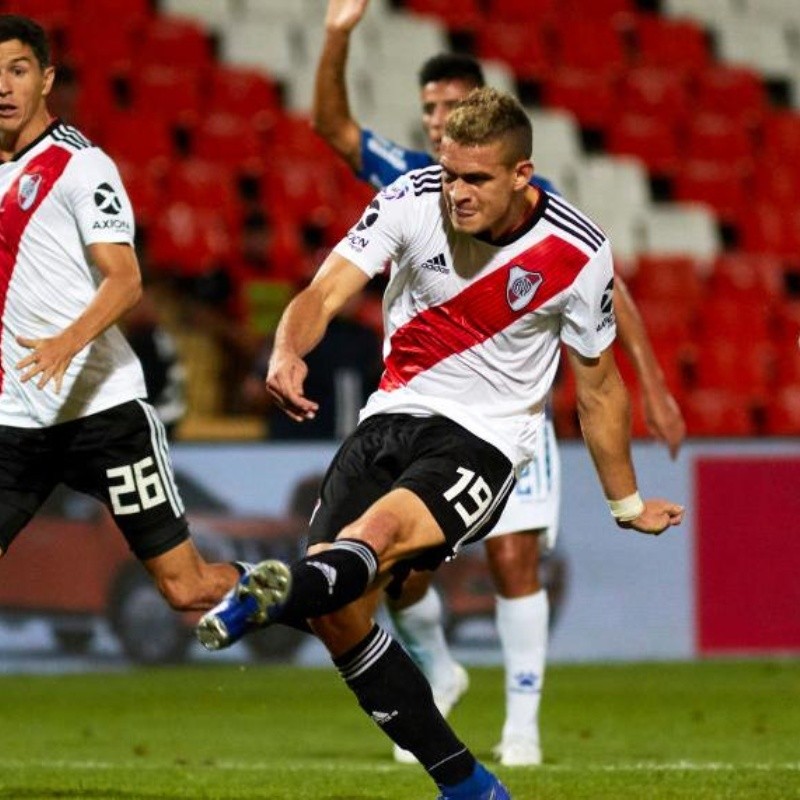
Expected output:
(473, 329)
(57, 197)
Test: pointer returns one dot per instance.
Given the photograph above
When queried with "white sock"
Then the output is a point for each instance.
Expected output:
(421, 631)
(522, 626)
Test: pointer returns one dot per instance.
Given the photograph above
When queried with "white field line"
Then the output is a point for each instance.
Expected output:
(351, 765)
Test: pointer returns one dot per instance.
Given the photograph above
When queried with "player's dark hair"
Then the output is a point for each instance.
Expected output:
(451, 67)
(27, 31)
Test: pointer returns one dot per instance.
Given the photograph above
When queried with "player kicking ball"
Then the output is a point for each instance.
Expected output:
(470, 354)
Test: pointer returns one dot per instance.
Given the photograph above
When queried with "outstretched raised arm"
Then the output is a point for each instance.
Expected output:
(331, 115)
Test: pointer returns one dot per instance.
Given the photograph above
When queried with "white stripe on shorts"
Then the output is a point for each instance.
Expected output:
(158, 439)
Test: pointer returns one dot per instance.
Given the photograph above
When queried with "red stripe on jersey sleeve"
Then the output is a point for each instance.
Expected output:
(18, 206)
(479, 312)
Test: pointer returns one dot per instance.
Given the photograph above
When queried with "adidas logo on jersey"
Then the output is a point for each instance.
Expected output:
(436, 264)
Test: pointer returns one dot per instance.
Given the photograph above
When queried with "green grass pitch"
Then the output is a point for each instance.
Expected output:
(722, 730)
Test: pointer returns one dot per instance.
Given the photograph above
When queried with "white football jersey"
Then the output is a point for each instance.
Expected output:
(57, 197)
(473, 329)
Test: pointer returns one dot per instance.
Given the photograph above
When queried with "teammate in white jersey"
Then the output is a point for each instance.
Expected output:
(532, 512)
(71, 389)
(489, 276)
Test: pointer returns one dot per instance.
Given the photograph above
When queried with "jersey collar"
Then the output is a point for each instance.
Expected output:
(43, 135)
(535, 215)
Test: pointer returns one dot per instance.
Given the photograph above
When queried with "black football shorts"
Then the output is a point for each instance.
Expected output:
(462, 479)
(118, 456)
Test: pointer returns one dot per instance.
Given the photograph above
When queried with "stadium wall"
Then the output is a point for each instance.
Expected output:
(725, 583)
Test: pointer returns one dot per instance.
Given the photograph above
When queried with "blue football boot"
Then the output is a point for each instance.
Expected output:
(481, 785)
(252, 603)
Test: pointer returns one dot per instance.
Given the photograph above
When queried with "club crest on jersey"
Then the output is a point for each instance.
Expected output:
(28, 189)
(521, 287)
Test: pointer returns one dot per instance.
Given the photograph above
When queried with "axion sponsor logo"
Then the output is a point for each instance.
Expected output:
(111, 225)
(28, 189)
(521, 287)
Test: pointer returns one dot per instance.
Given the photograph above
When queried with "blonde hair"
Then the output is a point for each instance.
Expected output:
(487, 115)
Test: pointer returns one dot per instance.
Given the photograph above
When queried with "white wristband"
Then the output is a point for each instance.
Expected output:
(626, 509)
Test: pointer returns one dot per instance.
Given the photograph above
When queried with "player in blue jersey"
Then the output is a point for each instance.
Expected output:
(529, 526)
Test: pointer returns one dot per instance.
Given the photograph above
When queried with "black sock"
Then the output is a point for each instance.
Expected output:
(329, 580)
(396, 695)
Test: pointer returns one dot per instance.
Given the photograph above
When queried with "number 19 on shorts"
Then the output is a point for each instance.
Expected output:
(476, 489)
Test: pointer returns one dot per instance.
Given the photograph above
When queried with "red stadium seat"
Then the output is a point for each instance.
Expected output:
(672, 280)
(527, 51)
(189, 241)
(758, 278)
(103, 11)
(783, 412)
(647, 137)
(175, 41)
(227, 139)
(531, 11)
(598, 9)
(244, 93)
(590, 95)
(787, 362)
(589, 44)
(715, 137)
(145, 188)
(673, 43)
(123, 135)
(114, 49)
(455, 14)
(781, 136)
(205, 184)
(777, 180)
(669, 323)
(49, 13)
(717, 412)
(655, 91)
(175, 93)
(770, 228)
(749, 369)
(719, 184)
(736, 319)
(737, 93)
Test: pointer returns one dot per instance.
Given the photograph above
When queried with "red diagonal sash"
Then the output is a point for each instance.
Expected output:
(16, 211)
(479, 312)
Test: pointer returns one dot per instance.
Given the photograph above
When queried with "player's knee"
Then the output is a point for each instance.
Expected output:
(379, 529)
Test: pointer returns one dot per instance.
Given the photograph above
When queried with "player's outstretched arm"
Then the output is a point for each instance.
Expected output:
(301, 328)
(118, 292)
(331, 115)
(604, 410)
(662, 413)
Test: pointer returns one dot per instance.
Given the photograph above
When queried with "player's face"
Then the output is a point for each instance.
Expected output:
(438, 99)
(24, 85)
(483, 192)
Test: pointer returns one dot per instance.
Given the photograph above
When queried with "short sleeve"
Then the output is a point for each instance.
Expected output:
(97, 198)
(379, 235)
(589, 324)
